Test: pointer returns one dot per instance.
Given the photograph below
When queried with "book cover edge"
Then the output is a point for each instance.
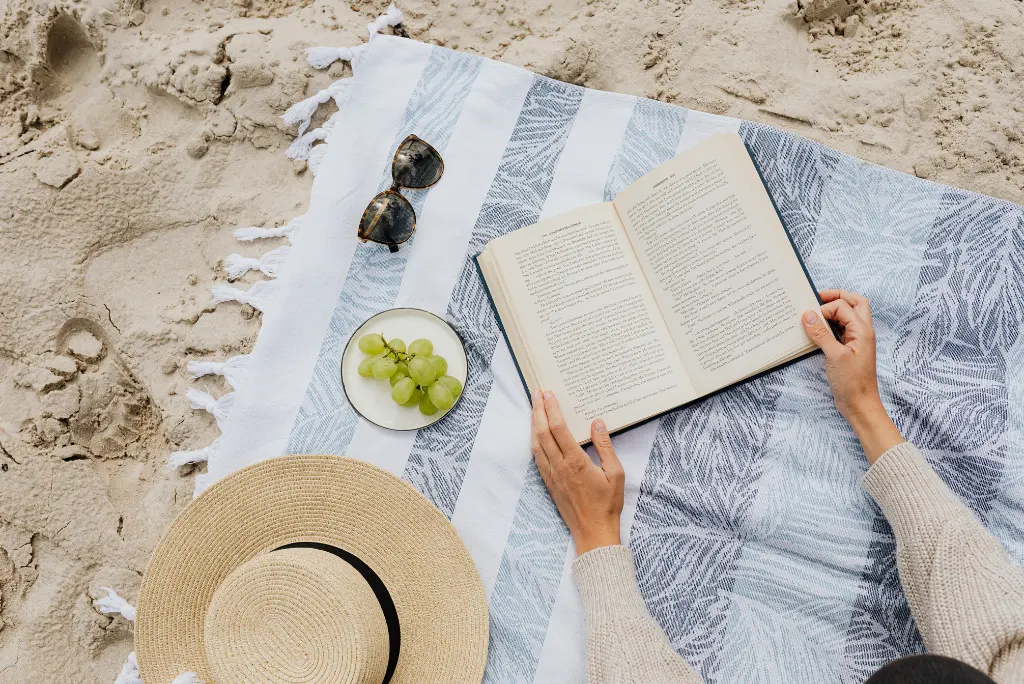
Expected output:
(501, 324)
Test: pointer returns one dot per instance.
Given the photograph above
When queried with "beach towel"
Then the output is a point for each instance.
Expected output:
(757, 550)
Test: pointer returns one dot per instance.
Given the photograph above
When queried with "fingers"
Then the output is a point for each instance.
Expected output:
(556, 423)
(820, 333)
(606, 452)
(841, 312)
(859, 303)
(541, 442)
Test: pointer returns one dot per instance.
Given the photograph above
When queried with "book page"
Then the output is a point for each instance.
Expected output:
(588, 321)
(724, 273)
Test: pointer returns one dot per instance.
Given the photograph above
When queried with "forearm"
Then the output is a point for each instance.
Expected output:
(873, 427)
(966, 596)
(624, 644)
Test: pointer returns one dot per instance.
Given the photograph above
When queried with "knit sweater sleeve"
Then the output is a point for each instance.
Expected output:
(966, 595)
(624, 644)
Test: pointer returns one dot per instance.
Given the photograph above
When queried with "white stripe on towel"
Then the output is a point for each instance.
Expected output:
(699, 126)
(488, 117)
(562, 655)
(579, 180)
(316, 158)
(484, 512)
(269, 264)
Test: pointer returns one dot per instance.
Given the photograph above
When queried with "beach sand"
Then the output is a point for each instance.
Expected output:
(134, 135)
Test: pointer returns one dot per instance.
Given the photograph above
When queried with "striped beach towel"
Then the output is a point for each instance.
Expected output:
(758, 551)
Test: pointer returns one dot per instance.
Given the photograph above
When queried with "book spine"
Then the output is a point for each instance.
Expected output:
(501, 325)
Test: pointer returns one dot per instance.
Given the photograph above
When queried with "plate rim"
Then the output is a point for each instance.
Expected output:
(344, 352)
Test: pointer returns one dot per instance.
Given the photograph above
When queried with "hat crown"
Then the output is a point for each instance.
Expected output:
(296, 615)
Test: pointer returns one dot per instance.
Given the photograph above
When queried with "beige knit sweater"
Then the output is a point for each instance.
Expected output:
(965, 594)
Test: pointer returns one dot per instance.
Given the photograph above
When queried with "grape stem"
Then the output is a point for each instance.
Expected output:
(400, 356)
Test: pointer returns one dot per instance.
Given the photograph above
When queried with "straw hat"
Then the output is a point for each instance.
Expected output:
(372, 578)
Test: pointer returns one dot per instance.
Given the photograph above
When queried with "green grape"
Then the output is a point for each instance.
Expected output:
(427, 408)
(422, 371)
(421, 347)
(440, 396)
(402, 390)
(453, 385)
(397, 344)
(384, 369)
(440, 365)
(417, 393)
(371, 344)
(366, 365)
(403, 367)
(398, 376)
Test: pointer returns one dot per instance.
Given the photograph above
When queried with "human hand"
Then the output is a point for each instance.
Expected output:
(850, 368)
(589, 498)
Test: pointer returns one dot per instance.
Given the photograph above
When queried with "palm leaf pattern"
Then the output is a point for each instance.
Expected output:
(693, 518)
(756, 549)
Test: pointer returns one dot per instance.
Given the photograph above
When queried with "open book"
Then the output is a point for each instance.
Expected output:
(685, 284)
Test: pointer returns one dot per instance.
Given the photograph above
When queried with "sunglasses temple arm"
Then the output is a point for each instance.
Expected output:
(392, 248)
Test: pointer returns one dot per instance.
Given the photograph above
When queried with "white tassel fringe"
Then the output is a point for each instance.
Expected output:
(269, 264)
(323, 57)
(187, 678)
(178, 459)
(203, 401)
(392, 17)
(250, 233)
(301, 112)
(303, 145)
(257, 296)
(231, 369)
(113, 604)
(129, 672)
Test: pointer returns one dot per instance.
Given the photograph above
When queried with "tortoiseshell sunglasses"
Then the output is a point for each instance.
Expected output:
(389, 219)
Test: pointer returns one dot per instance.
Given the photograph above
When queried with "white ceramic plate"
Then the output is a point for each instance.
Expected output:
(370, 397)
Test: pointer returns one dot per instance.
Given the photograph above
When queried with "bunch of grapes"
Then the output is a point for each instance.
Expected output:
(417, 375)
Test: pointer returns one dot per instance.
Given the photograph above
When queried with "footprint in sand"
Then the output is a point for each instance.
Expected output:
(92, 406)
(59, 53)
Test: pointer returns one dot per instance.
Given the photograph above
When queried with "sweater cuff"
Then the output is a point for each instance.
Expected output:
(906, 487)
(606, 577)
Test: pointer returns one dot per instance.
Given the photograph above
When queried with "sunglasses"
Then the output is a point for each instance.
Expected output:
(389, 219)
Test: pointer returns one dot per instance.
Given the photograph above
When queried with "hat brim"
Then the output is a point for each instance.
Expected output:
(411, 546)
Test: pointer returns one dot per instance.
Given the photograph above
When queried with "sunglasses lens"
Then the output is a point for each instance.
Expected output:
(417, 164)
(389, 219)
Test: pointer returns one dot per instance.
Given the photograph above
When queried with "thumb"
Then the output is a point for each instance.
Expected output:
(606, 452)
(819, 332)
